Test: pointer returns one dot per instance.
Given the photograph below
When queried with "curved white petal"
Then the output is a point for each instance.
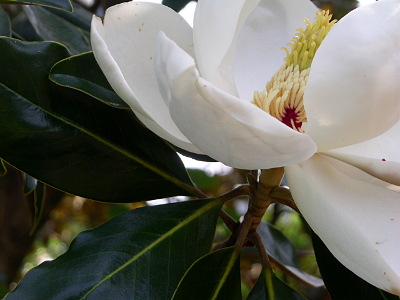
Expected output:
(124, 49)
(157, 129)
(352, 93)
(269, 27)
(353, 213)
(229, 130)
(215, 27)
(379, 157)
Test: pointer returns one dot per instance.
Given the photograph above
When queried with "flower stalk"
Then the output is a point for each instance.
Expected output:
(258, 204)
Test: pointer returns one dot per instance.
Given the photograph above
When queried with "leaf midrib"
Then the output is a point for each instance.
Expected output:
(140, 161)
(192, 217)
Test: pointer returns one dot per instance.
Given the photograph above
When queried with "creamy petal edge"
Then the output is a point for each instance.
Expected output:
(124, 48)
(222, 126)
(357, 99)
(379, 157)
(109, 66)
(354, 214)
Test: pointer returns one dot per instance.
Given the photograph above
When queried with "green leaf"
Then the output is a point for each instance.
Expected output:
(5, 24)
(59, 4)
(284, 254)
(81, 72)
(3, 288)
(141, 254)
(52, 27)
(277, 244)
(73, 142)
(270, 287)
(215, 276)
(176, 5)
(81, 17)
(342, 284)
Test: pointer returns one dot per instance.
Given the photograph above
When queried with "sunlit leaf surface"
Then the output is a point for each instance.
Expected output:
(270, 287)
(60, 4)
(50, 26)
(141, 254)
(82, 72)
(214, 276)
(5, 24)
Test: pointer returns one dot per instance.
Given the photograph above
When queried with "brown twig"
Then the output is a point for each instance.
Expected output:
(255, 238)
(229, 242)
(229, 221)
(242, 190)
(199, 194)
(283, 196)
(269, 179)
(244, 230)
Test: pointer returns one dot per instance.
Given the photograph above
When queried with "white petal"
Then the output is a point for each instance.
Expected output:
(215, 27)
(352, 93)
(124, 49)
(353, 213)
(157, 129)
(229, 130)
(379, 157)
(269, 27)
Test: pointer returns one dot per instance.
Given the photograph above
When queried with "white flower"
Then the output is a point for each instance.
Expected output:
(194, 88)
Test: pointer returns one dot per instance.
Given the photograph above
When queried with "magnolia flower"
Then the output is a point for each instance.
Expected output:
(329, 112)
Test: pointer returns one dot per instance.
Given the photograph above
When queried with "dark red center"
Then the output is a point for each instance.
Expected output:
(290, 119)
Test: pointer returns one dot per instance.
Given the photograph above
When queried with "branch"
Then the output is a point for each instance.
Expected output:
(228, 220)
(256, 239)
(283, 196)
(242, 190)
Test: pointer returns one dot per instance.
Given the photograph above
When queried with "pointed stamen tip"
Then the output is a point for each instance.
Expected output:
(283, 95)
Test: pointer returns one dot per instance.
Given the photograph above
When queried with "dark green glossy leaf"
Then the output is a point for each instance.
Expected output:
(5, 24)
(72, 141)
(141, 254)
(176, 5)
(214, 276)
(82, 72)
(52, 27)
(278, 245)
(284, 254)
(342, 284)
(80, 17)
(59, 4)
(3, 289)
(270, 287)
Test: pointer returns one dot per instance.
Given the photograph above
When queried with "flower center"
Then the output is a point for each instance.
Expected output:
(283, 95)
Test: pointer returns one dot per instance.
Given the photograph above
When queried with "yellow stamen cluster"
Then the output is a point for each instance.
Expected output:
(306, 41)
(285, 90)
(283, 96)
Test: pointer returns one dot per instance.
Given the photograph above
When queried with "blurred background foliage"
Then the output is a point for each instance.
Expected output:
(63, 216)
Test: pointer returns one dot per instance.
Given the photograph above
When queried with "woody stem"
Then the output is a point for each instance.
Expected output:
(258, 204)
